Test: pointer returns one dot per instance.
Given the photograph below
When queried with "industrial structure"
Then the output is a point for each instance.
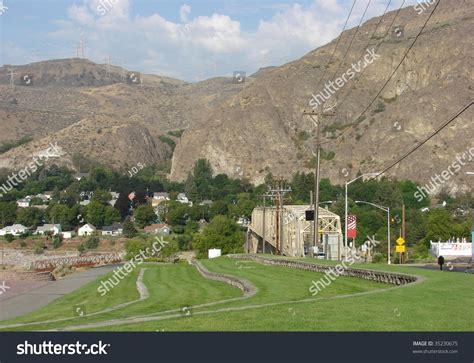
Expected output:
(288, 231)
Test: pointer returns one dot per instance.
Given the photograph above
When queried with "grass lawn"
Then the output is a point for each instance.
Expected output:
(442, 302)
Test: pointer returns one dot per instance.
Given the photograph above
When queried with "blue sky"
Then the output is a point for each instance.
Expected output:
(190, 40)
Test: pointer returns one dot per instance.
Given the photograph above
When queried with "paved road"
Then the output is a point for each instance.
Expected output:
(28, 301)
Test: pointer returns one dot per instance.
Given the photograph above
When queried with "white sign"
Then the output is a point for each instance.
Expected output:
(213, 253)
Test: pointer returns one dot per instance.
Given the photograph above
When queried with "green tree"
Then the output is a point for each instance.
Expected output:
(7, 213)
(30, 217)
(59, 213)
(144, 215)
(111, 215)
(95, 214)
(222, 233)
(129, 229)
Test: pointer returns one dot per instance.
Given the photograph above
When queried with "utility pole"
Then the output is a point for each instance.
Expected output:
(320, 114)
(278, 194)
(263, 225)
(402, 255)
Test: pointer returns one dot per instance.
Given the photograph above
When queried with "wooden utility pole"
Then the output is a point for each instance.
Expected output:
(263, 225)
(320, 114)
(403, 231)
(277, 194)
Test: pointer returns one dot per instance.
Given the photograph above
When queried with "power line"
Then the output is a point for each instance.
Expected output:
(394, 71)
(341, 63)
(370, 41)
(419, 145)
(335, 47)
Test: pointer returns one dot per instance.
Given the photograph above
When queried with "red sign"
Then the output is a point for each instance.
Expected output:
(351, 226)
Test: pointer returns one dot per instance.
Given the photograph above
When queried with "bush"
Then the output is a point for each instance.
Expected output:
(22, 244)
(92, 243)
(9, 238)
(39, 247)
(81, 248)
(57, 241)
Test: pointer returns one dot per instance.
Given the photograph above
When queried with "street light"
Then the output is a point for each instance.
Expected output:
(347, 206)
(385, 209)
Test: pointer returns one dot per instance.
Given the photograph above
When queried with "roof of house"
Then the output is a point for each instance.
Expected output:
(89, 225)
(113, 227)
(161, 194)
(153, 227)
(15, 226)
(48, 227)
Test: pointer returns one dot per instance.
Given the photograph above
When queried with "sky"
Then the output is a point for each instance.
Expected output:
(190, 40)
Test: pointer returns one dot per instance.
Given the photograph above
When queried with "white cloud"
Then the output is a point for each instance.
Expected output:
(203, 46)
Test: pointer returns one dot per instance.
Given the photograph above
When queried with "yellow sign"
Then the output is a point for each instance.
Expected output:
(400, 241)
(399, 249)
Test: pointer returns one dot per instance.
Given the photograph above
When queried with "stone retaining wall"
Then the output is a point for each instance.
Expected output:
(378, 276)
(247, 288)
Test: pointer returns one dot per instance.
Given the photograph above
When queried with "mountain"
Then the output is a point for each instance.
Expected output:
(262, 128)
(249, 128)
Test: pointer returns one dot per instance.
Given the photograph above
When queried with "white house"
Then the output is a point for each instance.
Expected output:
(86, 230)
(68, 234)
(24, 203)
(115, 229)
(161, 229)
(53, 228)
(15, 230)
(182, 198)
(161, 196)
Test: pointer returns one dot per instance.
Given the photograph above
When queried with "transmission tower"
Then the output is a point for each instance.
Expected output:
(81, 47)
(107, 72)
(12, 78)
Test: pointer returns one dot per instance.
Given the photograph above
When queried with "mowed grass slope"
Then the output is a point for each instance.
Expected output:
(169, 286)
(441, 302)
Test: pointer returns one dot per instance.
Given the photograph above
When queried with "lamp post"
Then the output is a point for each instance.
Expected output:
(385, 209)
(347, 205)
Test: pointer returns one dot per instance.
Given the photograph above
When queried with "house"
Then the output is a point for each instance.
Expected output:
(115, 229)
(206, 202)
(115, 197)
(243, 222)
(68, 234)
(161, 196)
(182, 198)
(53, 228)
(24, 202)
(15, 230)
(80, 176)
(86, 230)
(44, 198)
(161, 229)
(48, 194)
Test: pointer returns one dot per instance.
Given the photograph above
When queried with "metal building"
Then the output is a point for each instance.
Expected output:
(287, 232)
